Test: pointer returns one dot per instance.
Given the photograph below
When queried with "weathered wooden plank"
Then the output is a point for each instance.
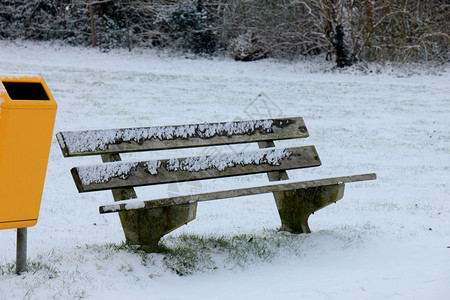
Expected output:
(122, 175)
(91, 142)
(269, 188)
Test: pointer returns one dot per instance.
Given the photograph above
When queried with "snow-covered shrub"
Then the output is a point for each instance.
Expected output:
(245, 47)
(189, 26)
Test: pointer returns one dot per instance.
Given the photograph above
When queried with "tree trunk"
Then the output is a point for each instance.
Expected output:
(91, 15)
(343, 56)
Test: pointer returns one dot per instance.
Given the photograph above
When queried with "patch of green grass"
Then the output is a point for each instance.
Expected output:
(33, 267)
(39, 266)
(191, 253)
(187, 254)
(183, 261)
(7, 269)
(109, 249)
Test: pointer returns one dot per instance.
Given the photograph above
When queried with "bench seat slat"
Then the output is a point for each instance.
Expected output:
(269, 188)
(125, 175)
(92, 142)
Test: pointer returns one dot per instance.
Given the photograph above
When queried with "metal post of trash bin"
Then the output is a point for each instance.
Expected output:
(21, 250)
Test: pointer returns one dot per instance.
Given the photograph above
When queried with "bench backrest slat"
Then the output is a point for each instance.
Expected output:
(131, 174)
(92, 142)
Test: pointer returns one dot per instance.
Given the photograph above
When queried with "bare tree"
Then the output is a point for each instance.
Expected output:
(92, 22)
(395, 30)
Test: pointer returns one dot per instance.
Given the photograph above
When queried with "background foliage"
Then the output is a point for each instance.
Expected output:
(344, 30)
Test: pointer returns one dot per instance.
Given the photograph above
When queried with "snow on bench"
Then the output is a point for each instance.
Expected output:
(88, 142)
(105, 172)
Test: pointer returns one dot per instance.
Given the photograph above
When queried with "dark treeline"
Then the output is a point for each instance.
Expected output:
(344, 30)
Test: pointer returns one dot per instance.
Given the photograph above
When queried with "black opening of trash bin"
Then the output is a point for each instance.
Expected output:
(25, 91)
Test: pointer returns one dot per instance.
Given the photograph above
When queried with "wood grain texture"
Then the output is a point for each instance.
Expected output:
(270, 188)
(300, 157)
(282, 128)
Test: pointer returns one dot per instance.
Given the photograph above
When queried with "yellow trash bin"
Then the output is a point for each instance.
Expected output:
(27, 117)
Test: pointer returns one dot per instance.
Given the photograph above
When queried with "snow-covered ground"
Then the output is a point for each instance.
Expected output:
(387, 239)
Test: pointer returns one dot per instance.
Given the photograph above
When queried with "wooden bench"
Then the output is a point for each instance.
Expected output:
(145, 221)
